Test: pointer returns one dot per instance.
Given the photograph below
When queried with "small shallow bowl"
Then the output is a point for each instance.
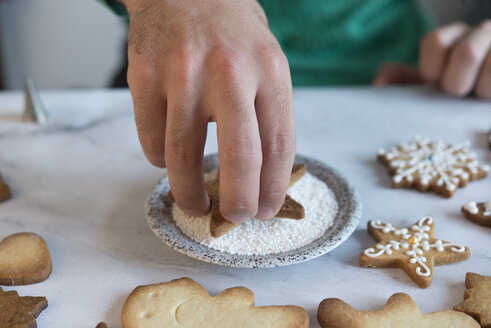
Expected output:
(160, 220)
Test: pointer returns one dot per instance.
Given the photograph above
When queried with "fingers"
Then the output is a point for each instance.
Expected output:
(275, 116)
(150, 110)
(396, 74)
(184, 144)
(434, 50)
(483, 87)
(239, 147)
(466, 60)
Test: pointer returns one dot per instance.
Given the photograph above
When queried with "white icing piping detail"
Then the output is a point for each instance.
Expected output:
(432, 161)
(472, 207)
(416, 251)
(487, 209)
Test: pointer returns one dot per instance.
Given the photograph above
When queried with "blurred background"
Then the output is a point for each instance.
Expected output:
(81, 43)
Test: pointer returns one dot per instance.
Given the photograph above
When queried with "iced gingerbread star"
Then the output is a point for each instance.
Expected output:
(413, 249)
(478, 212)
(435, 166)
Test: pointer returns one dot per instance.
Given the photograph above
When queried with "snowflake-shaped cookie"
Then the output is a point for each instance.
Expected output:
(413, 249)
(478, 212)
(435, 166)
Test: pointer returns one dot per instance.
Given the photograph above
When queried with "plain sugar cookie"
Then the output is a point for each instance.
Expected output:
(24, 259)
(183, 303)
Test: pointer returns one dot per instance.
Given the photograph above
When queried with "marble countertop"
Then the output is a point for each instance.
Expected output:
(81, 182)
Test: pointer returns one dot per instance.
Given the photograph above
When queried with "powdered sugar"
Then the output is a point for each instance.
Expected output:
(256, 237)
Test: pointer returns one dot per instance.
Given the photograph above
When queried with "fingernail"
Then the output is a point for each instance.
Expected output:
(237, 218)
(265, 213)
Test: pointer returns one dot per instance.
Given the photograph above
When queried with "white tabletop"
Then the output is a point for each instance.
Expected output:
(81, 182)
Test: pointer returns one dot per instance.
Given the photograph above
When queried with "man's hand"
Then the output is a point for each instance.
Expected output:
(455, 57)
(192, 62)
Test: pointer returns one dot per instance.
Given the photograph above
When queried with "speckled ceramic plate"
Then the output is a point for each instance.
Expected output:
(159, 217)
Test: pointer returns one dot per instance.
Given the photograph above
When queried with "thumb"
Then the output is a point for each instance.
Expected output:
(395, 73)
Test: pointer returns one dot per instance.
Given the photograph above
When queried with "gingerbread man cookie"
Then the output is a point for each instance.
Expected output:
(183, 303)
(413, 249)
(479, 213)
(477, 298)
(400, 311)
(435, 166)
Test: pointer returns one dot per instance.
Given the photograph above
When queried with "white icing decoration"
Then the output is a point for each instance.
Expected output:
(423, 161)
(487, 209)
(416, 252)
(472, 207)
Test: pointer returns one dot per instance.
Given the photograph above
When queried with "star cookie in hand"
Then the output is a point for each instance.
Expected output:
(478, 212)
(185, 303)
(413, 249)
(400, 311)
(477, 298)
(20, 312)
(435, 166)
(219, 226)
(24, 259)
(5, 192)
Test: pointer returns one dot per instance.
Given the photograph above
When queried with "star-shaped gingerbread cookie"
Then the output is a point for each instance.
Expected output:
(400, 311)
(477, 298)
(219, 226)
(413, 249)
(478, 212)
(20, 312)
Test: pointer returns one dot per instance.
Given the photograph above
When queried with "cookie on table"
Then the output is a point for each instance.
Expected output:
(185, 303)
(400, 311)
(432, 166)
(479, 213)
(20, 312)
(24, 259)
(5, 192)
(414, 250)
(477, 298)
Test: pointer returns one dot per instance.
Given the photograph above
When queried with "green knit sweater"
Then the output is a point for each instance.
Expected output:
(335, 42)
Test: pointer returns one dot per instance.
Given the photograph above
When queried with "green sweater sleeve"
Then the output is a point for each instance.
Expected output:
(117, 7)
(340, 42)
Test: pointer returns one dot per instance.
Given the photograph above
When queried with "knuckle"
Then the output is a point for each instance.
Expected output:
(466, 53)
(232, 206)
(242, 147)
(273, 192)
(179, 155)
(273, 58)
(142, 74)
(183, 61)
(485, 24)
(279, 146)
(433, 41)
(226, 62)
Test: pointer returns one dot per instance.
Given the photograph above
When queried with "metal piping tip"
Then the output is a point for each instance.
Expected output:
(34, 110)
